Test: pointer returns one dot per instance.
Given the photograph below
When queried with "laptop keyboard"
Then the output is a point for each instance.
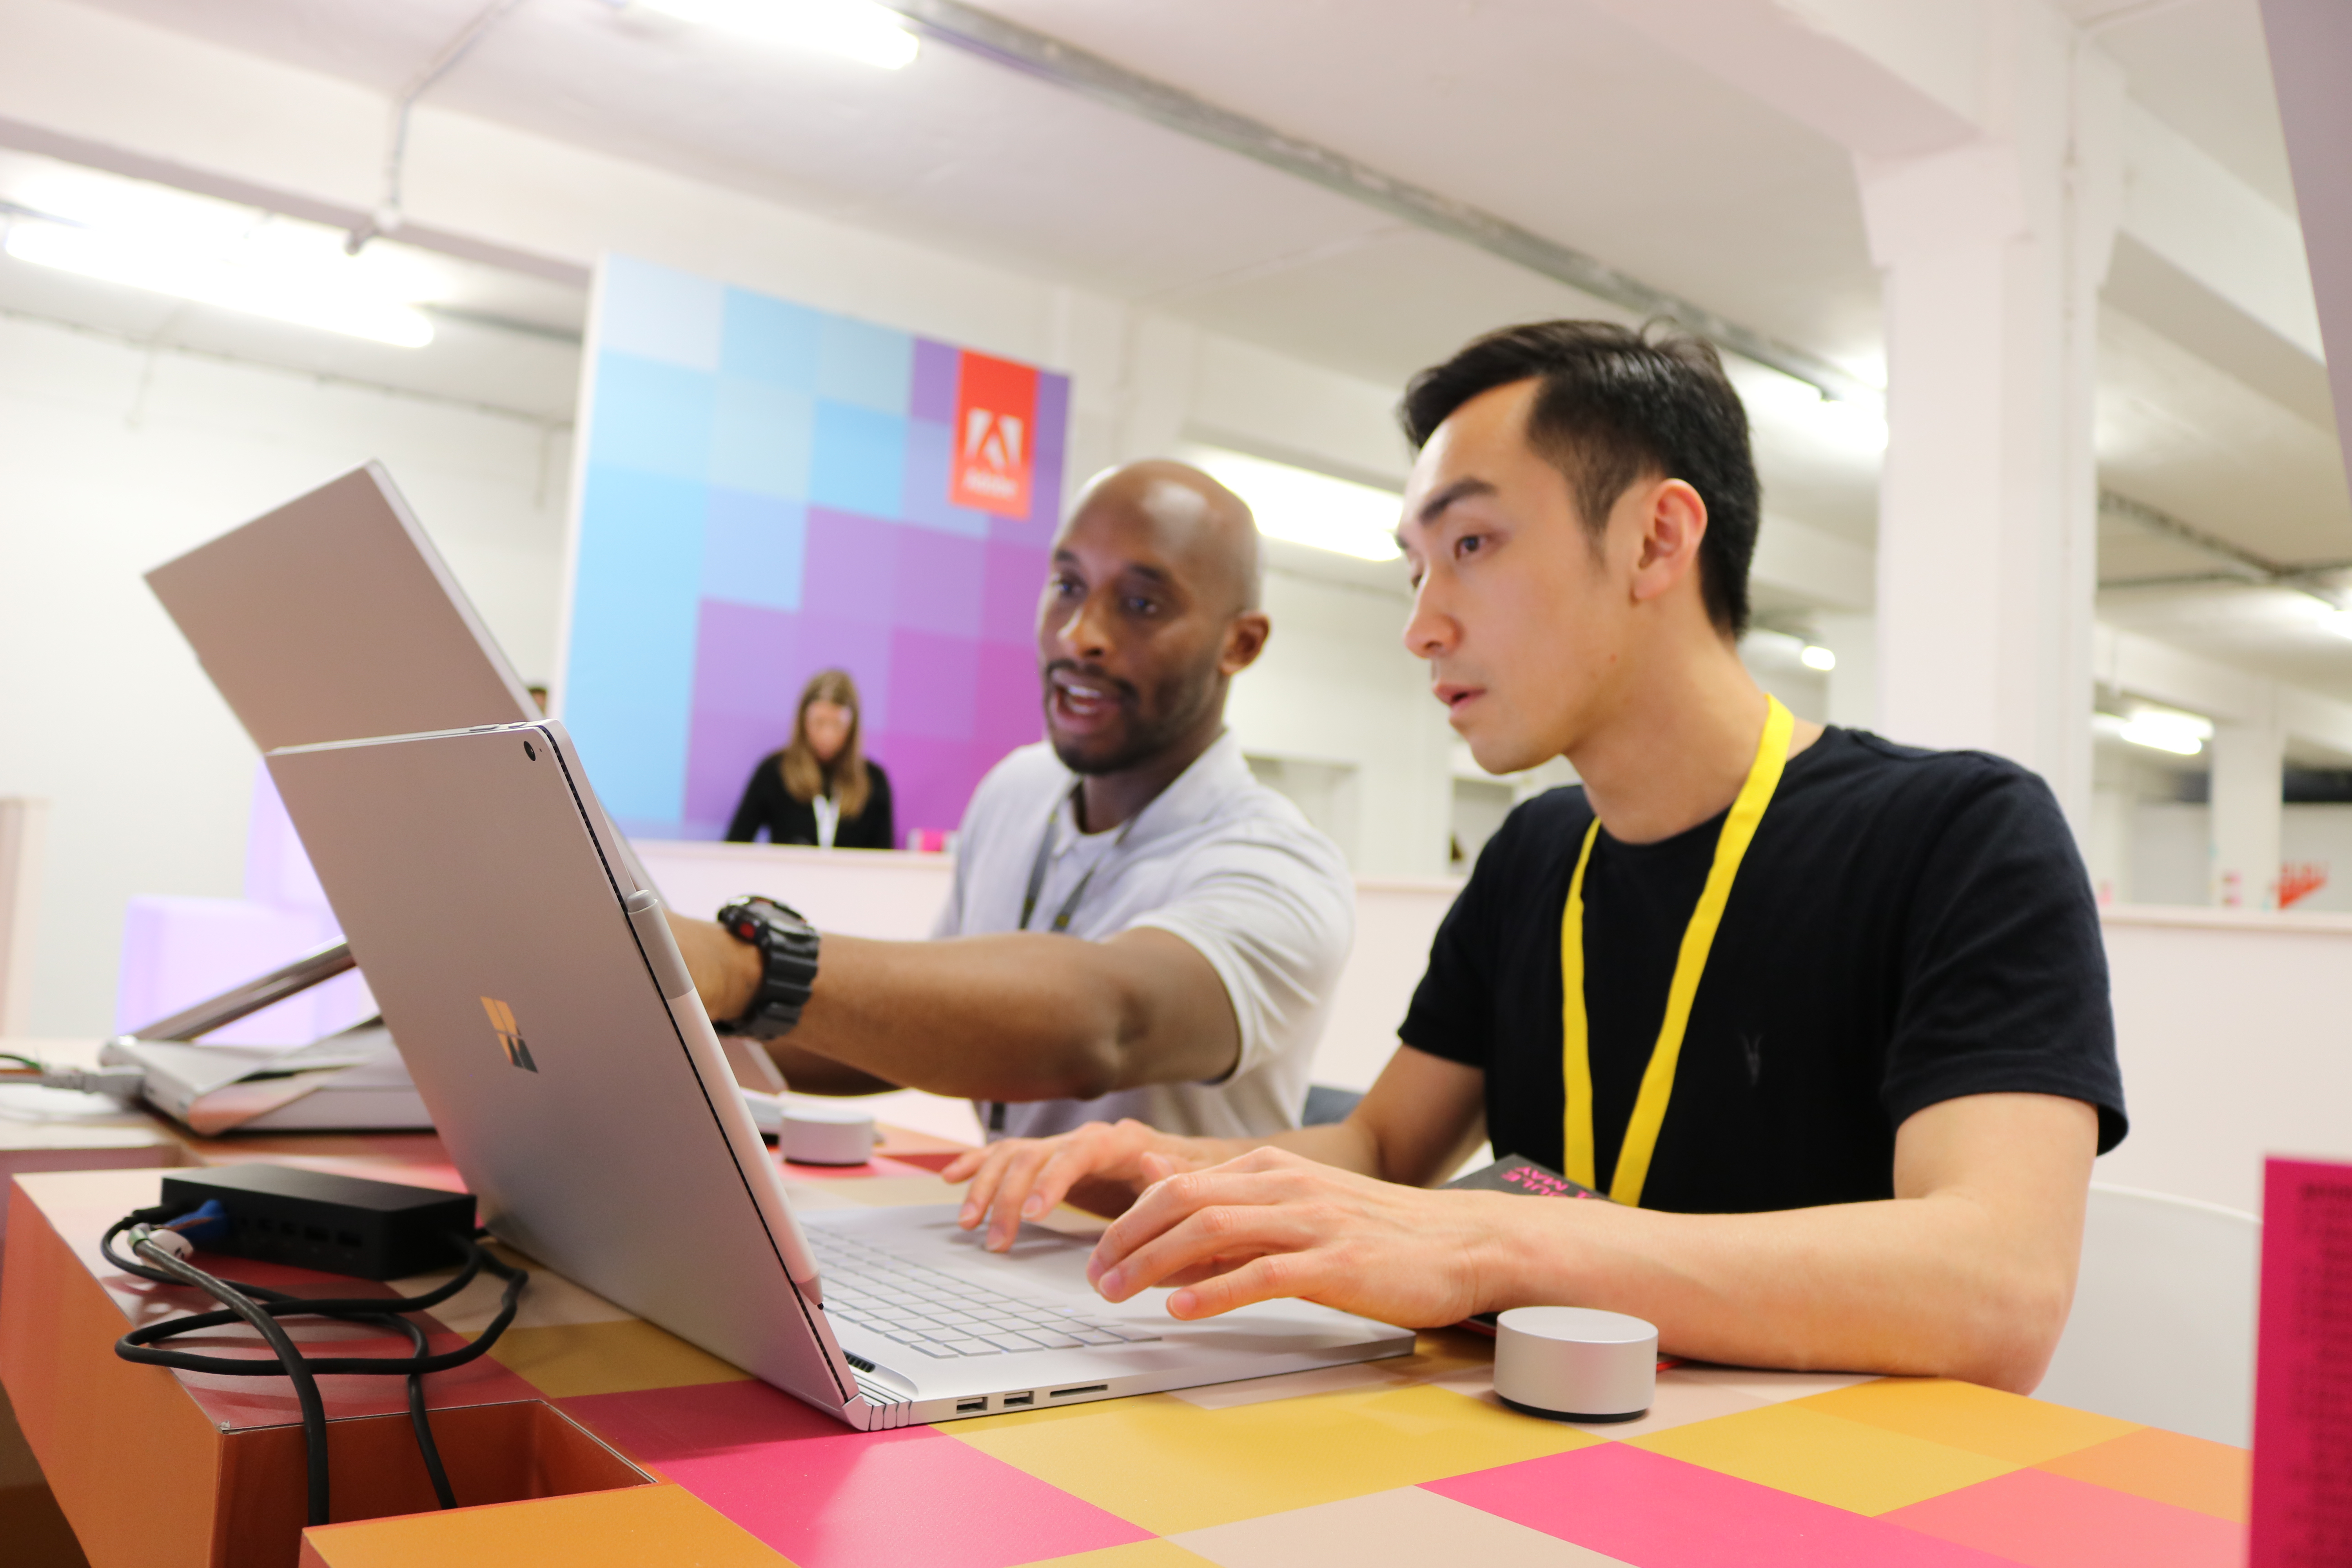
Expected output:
(941, 1315)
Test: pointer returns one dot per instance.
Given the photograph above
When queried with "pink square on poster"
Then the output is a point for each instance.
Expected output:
(827, 1497)
(1644, 1507)
(2302, 1512)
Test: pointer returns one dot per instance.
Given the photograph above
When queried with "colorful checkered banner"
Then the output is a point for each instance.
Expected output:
(766, 491)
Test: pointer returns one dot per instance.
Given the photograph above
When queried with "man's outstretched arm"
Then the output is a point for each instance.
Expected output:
(1018, 1017)
(1968, 1272)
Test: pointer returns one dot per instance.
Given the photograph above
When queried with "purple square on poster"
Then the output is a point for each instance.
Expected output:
(939, 583)
(929, 449)
(859, 646)
(852, 571)
(721, 750)
(932, 393)
(744, 658)
(1046, 481)
(1011, 579)
(931, 781)
(1008, 707)
(932, 685)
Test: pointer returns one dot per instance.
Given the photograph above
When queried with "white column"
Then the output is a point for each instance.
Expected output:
(24, 823)
(1992, 254)
(2249, 768)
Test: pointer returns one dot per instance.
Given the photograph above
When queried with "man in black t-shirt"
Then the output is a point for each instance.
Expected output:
(1828, 1016)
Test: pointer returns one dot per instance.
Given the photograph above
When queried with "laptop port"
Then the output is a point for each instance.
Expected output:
(970, 1406)
(1072, 1393)
(1015, 1401)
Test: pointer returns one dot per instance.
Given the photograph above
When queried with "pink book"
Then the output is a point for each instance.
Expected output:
(2302, 1382)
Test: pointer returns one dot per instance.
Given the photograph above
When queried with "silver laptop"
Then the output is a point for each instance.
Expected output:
(552, 1028)
(333, 617)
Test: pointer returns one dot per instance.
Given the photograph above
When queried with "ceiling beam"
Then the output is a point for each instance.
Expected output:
(1103, 81)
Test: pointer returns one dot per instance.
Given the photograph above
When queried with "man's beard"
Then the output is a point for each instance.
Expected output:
(1146, 739)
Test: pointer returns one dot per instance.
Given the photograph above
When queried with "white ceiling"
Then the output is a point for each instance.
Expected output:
(1547, 112)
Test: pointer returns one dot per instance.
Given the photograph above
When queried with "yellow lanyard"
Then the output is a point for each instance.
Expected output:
(1658, 1077)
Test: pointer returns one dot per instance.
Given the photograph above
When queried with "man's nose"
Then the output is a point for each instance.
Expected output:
(1430, 631)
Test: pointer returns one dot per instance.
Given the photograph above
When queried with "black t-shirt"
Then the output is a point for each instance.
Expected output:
(1908, 927)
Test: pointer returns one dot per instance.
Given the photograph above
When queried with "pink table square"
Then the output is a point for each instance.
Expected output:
(1645, 1509)
(827, 1497)
(2052, 1521)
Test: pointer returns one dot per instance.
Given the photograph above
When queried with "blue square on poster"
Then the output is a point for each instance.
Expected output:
(760, 438)
(870, 366)
(629, 685)
(661, 313)
(859, 461)
(654, 418)
(753, 547)
(771, 339)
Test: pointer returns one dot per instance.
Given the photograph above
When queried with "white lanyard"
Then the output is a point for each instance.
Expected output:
(828, 819)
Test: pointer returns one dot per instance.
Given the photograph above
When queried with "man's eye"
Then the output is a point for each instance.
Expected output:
(1141, 607)
(1066, 586)
(1469, 544)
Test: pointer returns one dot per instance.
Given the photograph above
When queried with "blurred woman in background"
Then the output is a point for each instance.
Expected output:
(820, 789)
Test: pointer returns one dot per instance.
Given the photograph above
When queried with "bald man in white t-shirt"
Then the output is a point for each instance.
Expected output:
(1139, 928)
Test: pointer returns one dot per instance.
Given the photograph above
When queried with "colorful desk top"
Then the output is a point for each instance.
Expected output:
(1407, 1461)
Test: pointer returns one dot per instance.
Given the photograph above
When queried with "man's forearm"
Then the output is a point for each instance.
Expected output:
(1015, 1017)
(1926, 1285)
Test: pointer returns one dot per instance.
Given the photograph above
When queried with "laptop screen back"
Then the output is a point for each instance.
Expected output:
(334, 618)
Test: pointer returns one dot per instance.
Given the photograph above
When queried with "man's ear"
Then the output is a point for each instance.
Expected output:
(1245, 636)
(1672, 521)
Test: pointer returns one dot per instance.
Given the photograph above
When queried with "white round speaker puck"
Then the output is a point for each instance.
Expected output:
(819, 1132)
(1575, 1364)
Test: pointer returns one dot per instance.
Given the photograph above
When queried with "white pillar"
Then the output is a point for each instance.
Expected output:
(24, 823)
(2249, 774)
(1992, 254)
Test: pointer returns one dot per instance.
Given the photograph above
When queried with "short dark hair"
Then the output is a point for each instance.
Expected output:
(1616, 404)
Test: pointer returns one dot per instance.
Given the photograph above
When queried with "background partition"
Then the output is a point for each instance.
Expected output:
(767, 490)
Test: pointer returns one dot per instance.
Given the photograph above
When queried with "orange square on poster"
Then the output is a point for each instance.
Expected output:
(996, 436)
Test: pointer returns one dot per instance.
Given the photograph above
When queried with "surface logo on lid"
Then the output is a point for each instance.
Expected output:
(996, 436)
(502, 1020)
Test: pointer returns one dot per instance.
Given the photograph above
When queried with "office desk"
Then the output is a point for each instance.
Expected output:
(665, 1454)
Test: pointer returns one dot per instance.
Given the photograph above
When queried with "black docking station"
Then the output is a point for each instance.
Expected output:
(337, 1225)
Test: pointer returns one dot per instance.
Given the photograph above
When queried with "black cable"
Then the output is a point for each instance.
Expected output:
(258, 1305)
(290, 1361)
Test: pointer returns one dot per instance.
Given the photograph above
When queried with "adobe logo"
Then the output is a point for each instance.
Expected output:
(995, 428)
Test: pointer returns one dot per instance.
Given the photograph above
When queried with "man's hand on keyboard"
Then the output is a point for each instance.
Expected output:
(1100, 1167)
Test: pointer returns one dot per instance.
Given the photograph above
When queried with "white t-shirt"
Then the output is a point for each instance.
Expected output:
(1217, 859)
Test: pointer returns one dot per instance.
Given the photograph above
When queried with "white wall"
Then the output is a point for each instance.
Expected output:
(2233, 1032)
(1335, 686)
(113, 460)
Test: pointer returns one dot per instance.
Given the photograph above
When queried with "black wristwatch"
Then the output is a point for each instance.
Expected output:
(787, 945)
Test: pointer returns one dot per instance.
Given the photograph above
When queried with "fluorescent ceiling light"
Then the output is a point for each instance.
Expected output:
(1308, 508)
(1796, 406)
(2336, 621)
(1816, 657)
(2166, 730)
(857, 29)
(276, 271)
